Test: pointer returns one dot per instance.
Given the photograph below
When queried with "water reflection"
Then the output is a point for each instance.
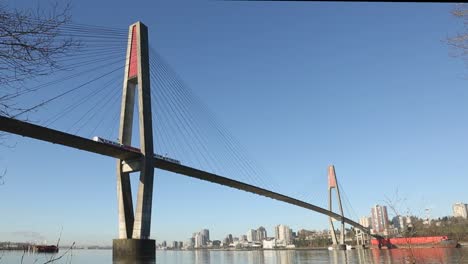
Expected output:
(285, 256)
(256, 256)
(417, 255)
(341, 256)
(133, 261)
(202, 256)
(363, 256)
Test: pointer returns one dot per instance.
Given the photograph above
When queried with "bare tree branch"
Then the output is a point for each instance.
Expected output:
(31, 44)
(61, 256)
(459, 42)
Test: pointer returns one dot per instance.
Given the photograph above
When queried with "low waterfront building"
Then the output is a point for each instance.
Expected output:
(269, 244)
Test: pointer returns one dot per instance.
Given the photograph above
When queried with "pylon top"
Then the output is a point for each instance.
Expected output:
(133, 60)
(331, 177)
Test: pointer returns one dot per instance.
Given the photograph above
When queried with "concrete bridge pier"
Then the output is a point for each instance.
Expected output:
(132, 250)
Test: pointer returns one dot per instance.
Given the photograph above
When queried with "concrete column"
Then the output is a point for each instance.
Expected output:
(124, 191)
(124, 199)
(142, 225)
(332, 227)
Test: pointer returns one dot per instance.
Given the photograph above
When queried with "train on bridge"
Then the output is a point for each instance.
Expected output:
(137, 150)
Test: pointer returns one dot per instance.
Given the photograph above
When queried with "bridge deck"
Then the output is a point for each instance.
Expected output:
(57, 137)
(206, 176)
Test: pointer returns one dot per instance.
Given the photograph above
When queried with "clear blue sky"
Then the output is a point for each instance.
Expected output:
(368, 87)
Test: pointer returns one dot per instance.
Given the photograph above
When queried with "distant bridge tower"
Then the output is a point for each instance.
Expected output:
(134, 228)
(333, 184)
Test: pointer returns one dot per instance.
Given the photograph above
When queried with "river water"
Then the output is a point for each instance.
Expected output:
(423, 255)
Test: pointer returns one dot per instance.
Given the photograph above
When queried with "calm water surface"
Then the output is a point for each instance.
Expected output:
(428, 255)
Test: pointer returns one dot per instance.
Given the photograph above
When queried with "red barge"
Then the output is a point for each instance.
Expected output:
(412, 242)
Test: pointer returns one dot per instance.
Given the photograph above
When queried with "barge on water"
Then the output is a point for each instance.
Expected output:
(45, 248)
(412, 242)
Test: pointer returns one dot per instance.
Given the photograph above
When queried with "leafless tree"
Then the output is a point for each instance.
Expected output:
(459, 42)
(31, 45)
(2, 175)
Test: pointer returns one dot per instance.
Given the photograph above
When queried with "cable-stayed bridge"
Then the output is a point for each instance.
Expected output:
(143, 67)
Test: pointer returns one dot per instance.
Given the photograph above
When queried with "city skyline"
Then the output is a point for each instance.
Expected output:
(300, 93)
(379, 212)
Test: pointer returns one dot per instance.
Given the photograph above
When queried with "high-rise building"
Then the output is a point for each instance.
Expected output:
(190, 243)
(230, 238)
(284, 233)
(261, 233)
(379, 218)
(198, 240)
(206, 236)
(365, 221)
(252, 235)
(460, 210)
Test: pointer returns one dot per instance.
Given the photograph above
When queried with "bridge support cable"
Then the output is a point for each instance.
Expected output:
(191, 107)
(96, 50)
(196, 128)
(101, 106)
(197, 106)
(109, 107)
(347, 204)
(101, 90)
(69, 27)
(77, 47)
(182, 119)
(190, 129)
(64, 93)
(173, 133)
(58, 79)
(51, 43)
(93, 93)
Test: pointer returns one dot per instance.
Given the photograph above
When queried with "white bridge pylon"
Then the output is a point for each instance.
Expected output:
(333, 184)
(136, 225)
